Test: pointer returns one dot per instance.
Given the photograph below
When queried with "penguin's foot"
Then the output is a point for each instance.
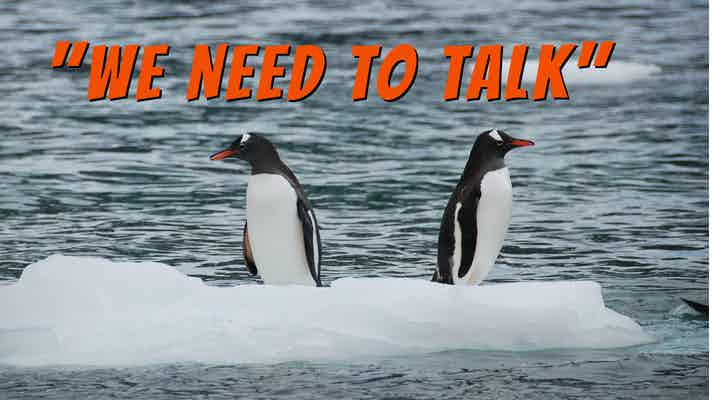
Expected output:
(438, 278)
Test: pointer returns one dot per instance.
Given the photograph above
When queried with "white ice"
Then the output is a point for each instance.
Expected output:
(92, 311)
(617, 72)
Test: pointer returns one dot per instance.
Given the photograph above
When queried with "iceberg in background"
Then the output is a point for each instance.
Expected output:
(92, 311)
(616, 73)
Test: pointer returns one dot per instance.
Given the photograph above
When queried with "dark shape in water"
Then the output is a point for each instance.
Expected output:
(703, 309)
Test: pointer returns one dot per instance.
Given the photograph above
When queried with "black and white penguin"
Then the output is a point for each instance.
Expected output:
(282, 243)
(478, 213)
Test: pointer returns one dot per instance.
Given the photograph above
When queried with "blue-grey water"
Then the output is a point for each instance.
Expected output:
(615, 191)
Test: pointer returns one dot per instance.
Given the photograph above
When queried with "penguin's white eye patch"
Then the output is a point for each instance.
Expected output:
(495, 135)
(245, 138)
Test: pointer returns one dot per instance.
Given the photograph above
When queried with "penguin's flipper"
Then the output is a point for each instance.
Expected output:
(459, 218)
(247, 252)
(312, 239)
(446, 244)
(703, 309)
(466, 219)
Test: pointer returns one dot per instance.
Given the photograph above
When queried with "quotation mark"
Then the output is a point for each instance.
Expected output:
(78, 50)
(602, 57)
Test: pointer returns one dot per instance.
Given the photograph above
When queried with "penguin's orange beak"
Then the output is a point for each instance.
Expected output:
(223, 154)
(521, 143)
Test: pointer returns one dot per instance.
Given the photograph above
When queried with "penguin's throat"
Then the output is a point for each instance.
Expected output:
(479, 164)
(266, 164)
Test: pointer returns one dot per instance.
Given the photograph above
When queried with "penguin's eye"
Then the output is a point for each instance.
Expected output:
(500, 142)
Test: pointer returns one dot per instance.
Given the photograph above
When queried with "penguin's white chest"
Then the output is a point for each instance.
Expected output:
(494, 213)
(276, 234)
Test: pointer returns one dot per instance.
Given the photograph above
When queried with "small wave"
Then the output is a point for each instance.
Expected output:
(92, 311)
(617, 72)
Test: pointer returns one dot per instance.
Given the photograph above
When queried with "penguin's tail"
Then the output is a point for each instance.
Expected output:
(703, 309)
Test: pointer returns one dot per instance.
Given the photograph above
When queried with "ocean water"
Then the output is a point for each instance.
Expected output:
(615, 190)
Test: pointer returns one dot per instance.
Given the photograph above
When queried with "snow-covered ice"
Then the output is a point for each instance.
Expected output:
(92, 311)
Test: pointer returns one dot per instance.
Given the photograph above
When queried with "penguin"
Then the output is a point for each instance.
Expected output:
(281, 240)
(478, 213)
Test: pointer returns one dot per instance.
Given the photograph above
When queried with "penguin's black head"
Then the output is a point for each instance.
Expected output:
(498, 142)
(251, 147)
